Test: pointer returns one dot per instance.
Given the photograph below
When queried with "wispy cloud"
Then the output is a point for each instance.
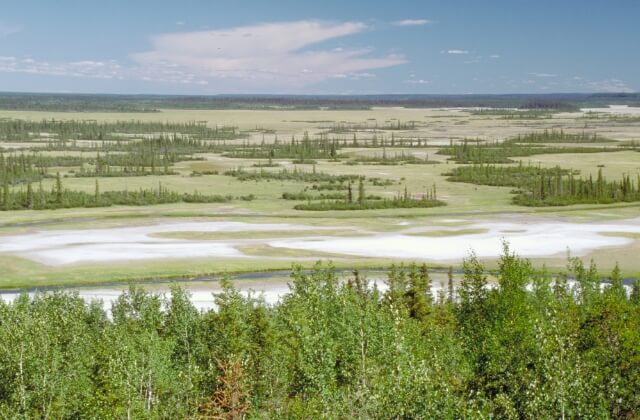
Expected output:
(418, 81)
(610, 85)
(88, 68)
(260, 57)
(353, 76)
(270, 54)
(105, 70)
(544, 75)
(457, 52)
(8, 29)
(494, 56)
(411, 22)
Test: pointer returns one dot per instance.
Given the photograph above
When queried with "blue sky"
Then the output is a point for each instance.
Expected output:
(319, 47)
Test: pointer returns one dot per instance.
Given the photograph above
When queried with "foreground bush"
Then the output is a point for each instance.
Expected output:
(532, 347)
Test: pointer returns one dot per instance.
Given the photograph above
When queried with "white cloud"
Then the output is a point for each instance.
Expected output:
(87, 68)
(7, 29)
(353, 76)
(610, 85)
(259, 58)
(411, 22)
(106, 70)
(546, 75)
(494, 56)
(267, 55)
(418, 81)
(456, 52)
(360, 76)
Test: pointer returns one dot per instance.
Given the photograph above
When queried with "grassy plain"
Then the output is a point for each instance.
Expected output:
(466, 203)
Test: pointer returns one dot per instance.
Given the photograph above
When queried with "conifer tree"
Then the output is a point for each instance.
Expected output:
(361, 193)
(58, 190)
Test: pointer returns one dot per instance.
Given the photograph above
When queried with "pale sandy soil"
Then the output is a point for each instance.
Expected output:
(529, 238)
(60, 247)
(615, 109)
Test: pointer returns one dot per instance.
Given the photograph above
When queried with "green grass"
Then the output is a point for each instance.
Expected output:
(466, 203)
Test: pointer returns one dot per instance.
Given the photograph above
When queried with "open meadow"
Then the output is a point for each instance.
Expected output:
(92, 198)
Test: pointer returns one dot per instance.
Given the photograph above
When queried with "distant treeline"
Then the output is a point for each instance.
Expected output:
(72, 103)
(152, 103)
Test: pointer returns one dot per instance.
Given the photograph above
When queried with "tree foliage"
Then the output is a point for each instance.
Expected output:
(523, 345)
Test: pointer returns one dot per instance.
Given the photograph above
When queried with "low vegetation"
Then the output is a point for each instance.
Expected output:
(289, 175)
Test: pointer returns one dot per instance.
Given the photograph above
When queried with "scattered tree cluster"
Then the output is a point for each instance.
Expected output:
(479, 151)
(30, 198)
(515, 114)
(521, 176)
(140, 162)
(372, 125)
(560, 190)
(63, 130)
(288, 175)
(536, 186)
(301, 150)
(366, 202)
(391, 159)
(558, 136)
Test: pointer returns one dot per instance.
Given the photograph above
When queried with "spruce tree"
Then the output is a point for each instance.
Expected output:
(30, 200)
(58, 189)
(361, 193)
(96, 194)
